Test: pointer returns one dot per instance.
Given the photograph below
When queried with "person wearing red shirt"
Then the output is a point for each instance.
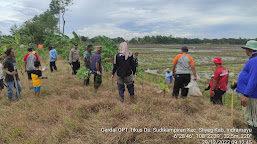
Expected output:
(220, 81)
(35, 54)
(209, 88)
(29, 60)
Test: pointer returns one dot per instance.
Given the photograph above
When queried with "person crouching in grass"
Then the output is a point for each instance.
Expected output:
(36, 76)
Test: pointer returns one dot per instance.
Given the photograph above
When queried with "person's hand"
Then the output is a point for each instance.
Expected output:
(173, 74)
(112, 76)
(233, 86)
(244, 101)
(13, 73)
(195, 78)
(98, 72)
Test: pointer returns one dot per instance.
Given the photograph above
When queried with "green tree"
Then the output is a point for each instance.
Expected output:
(34, 29)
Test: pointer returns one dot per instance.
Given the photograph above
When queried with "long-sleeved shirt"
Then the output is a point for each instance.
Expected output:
(53, 55)
(124, 67)
(74, 55)
(247, 80)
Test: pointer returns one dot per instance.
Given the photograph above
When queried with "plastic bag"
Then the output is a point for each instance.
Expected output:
(194, 89)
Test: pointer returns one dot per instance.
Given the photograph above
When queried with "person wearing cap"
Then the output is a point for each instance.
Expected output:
(96, 67)
(220, 81)
(125, 66)
(135, 59)
(209, 88)
(74, 59)
(53, 58)
(247, 86)
(183, 64)
(168, 76)
(87, 59)
(29, 60)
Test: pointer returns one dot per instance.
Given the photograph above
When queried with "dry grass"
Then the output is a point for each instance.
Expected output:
(68, 112)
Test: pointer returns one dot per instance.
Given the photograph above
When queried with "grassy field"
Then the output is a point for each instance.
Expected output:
(160, 57)
(68, 112)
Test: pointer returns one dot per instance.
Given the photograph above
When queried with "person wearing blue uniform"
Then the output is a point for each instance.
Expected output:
(53, 58)
(247, 86)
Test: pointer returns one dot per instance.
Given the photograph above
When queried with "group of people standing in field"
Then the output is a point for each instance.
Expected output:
(246, 85)
(92, 62)
(183, 64)
(125, 64)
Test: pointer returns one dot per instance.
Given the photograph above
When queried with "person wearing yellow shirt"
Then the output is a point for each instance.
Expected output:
(37, 77)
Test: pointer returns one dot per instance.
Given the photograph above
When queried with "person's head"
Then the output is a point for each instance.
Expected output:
(37, 64)
(168, 70)
(217, 61)
(30, 49)
(212, 77)
(75, 45)
(127, 41)
(10, 52)
(136, 54)
(90, 48)
(250, 47)
(50, 47)
(98, 49)
(184, 49)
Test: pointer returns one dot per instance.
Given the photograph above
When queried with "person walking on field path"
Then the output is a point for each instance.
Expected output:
(220, 81)
(125, 66)
(97, 67)
(181, 72)
(87, 58)
(11, 73)
(247, 87)
(29, 60)
(53, 58)
(74, 59)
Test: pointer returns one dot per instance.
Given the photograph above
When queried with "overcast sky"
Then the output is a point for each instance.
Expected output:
(131, 18)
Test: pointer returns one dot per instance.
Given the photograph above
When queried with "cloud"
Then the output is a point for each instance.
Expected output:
(19, 11)
(130, 18)
(113, 31)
